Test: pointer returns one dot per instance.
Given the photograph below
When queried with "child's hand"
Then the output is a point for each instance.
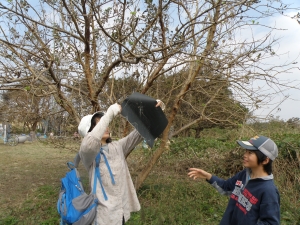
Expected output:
(161, 104)
(199, 173)
(120, 107)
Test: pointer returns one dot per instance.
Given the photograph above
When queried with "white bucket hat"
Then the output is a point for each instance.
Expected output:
(85, 123)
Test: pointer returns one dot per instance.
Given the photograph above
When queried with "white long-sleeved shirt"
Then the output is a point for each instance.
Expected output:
(122, 198)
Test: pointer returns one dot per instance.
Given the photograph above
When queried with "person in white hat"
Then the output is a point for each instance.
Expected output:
(254, 198)
(115, 190)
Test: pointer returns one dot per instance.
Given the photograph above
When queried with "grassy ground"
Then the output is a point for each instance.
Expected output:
(30, 182)
(29, 177)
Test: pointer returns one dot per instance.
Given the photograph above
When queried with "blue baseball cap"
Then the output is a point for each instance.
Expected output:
(262, 144)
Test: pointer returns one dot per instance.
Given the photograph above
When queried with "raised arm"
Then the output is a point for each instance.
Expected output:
(91, 143)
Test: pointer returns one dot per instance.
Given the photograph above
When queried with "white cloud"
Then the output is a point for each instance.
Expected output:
(288, 51)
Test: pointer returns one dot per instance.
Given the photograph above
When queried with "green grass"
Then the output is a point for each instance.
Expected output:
(178, 201)
(30, 181)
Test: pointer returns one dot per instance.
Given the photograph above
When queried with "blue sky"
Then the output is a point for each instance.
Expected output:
(286, 104)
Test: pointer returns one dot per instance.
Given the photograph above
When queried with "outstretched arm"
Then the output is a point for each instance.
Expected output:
(199, 173)
(224, 187)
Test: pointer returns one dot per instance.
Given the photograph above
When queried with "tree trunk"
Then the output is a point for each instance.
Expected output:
(194, 70)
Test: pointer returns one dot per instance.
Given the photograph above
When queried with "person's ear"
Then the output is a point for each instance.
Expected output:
(266, 161)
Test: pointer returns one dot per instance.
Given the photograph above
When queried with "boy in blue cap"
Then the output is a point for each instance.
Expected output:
(254, 198)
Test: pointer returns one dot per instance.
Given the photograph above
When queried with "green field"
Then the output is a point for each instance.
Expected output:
(30, 180)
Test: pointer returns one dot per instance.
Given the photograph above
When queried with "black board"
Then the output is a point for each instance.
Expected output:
(148, 120)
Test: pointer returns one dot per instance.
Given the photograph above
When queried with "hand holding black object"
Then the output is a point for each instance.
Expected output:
(144, 114)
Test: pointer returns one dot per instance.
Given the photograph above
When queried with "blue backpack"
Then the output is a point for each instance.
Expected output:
(74, 205)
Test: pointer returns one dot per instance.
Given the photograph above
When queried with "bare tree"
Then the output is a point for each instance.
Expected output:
(76, 51)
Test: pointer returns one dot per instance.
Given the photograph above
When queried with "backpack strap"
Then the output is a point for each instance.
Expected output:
(74, 164)
(97, 173)
(71, 165)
